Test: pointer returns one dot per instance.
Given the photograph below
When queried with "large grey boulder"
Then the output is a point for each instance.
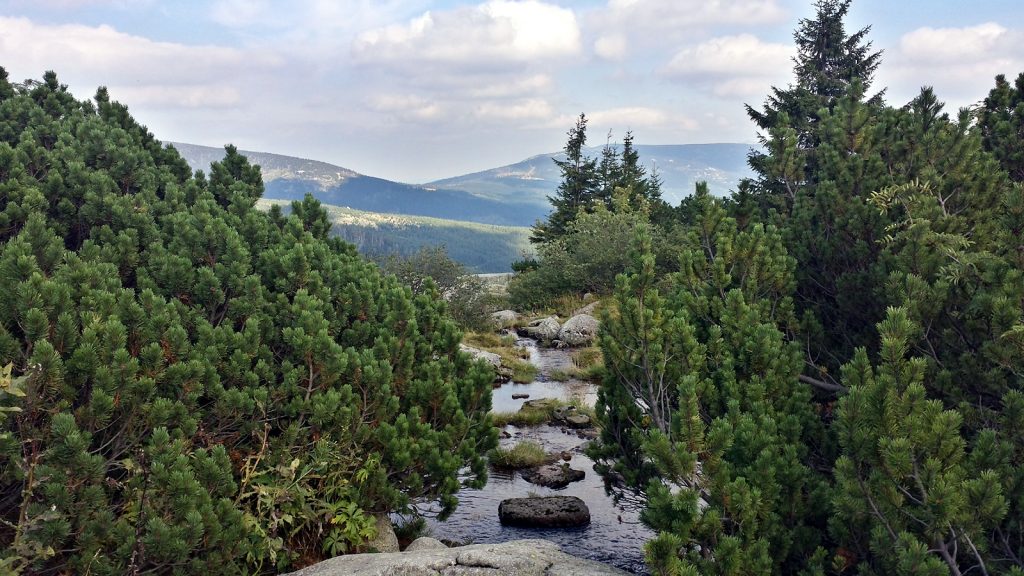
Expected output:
(501, 373)
(544, 512)
(478, 354)
(580, 330)
(515, 558)
(544, 329)
(425, 543)
(504, 318)
(553, 475)
(386, 540)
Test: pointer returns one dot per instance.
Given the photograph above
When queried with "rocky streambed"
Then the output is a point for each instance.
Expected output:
(613, 536)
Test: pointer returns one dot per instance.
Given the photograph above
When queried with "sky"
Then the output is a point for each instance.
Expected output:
(417, 90)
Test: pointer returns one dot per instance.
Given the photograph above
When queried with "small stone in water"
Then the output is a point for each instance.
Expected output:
(520, 396)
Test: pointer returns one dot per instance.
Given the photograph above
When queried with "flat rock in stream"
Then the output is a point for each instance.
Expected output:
(553, 475)
(515, 558)
(544, 512)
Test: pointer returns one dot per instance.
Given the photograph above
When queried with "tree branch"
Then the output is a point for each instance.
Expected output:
(822, 385)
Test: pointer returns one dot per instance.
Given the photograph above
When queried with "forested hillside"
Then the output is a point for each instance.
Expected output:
(481, 248)
(190, 385)
(289, 178)
(824, 372)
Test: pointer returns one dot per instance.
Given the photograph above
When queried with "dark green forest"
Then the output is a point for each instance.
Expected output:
(481, 248)
(821, 374)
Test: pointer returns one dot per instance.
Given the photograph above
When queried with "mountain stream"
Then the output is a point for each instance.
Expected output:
(614, 536)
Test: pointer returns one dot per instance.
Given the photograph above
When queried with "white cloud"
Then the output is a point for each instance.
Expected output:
(132, 66)
(512, 87)
(523, 110)
(944, 45)
(960, 63)
(653, 23)
(240, 13)
(407, 107)
(179, 96)
(491, 34)
(634, 117)
(740, 65)
(611, 47)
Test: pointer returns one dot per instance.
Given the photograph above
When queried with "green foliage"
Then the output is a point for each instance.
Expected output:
(585, 259)
(909, 499)
(522, 455)
(702, 412)
(482, 248)
(1001, 120)
(576, 191)
(879, 243)
(206, 388)
(430, 269)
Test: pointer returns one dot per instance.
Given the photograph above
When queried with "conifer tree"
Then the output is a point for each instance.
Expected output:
(909, 498)
(577, 190)
(1001, 119)
(702, 409)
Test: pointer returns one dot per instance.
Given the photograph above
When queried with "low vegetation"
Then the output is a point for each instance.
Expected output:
(512, 356)
(522, 455)
(191, 385)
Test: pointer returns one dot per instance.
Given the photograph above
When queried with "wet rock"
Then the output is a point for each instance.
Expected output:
(577, 421)
(544, 329)
(566, 455)
(478, 354)
(520, 396)
(544, 512)
(580, 330)
(588, 434)
(553, 475)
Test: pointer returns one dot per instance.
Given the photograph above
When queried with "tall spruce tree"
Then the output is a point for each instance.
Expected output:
(828, 62)
(578, 189)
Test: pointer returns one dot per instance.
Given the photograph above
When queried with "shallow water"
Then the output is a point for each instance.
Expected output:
(614, 536)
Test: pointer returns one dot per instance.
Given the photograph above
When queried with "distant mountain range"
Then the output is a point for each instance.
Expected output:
(289, 178)
(680, 166)
(482, 217)
(513, 195)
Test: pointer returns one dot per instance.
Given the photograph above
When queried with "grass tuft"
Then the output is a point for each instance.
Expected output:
(522, 455)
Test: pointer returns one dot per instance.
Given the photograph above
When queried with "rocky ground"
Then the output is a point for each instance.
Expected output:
(428, 557)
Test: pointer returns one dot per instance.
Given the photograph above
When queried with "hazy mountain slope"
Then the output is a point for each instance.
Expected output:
(290, 178)
(680, 166)
(480, 247)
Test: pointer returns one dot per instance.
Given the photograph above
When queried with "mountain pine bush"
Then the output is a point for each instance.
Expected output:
(192, 386)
